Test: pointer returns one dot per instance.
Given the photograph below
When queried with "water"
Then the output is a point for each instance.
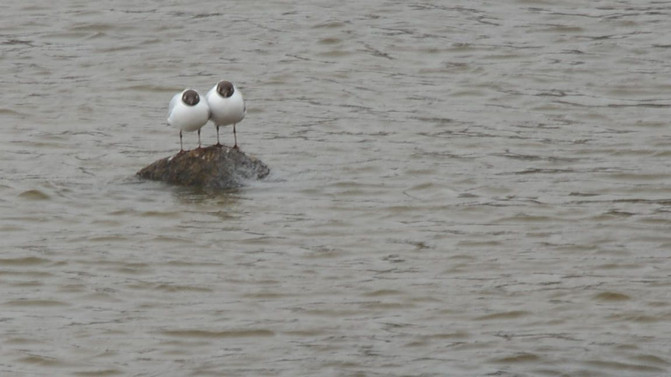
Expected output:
(461, 188)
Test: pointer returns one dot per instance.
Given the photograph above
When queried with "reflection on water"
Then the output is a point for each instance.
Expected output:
(470, 188)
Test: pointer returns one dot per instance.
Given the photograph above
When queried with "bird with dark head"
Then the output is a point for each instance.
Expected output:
(226, 107)
(187, 112)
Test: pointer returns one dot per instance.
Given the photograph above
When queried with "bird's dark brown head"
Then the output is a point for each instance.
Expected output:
(225, 88)
(190, 97)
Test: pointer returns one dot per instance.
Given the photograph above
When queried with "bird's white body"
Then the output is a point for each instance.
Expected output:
(226, 110)
(187, 118)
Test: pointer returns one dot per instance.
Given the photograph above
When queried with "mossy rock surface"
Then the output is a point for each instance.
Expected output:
(214, 167)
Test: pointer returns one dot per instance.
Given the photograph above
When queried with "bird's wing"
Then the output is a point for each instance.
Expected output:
(173, 102)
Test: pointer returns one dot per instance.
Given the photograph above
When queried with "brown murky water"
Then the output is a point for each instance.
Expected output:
(461, 188)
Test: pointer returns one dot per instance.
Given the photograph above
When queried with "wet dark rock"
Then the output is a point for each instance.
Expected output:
(214, 167)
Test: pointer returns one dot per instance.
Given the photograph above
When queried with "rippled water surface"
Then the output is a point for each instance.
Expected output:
(458, 188)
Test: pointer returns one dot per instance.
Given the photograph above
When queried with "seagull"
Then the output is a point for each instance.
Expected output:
(226, 106)
(188, 113)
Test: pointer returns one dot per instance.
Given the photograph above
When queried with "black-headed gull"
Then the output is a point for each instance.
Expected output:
(188, 113)
(226, 106)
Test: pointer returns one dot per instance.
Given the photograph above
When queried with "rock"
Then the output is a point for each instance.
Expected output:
(214, 167)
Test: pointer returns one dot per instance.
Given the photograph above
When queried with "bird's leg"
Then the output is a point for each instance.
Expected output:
(218, 143)
(181, 148)
(235, 136)
(199, 146)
